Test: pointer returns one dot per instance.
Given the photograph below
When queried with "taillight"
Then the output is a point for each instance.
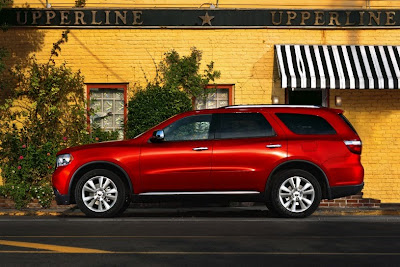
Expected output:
(354, 146)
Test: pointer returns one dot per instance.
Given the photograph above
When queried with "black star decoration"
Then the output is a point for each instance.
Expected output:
(206, 19)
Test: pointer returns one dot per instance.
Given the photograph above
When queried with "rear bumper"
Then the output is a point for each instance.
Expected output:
(343, 191)
(61, 199)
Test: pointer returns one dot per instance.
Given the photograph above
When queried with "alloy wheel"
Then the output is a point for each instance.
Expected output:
(99, 194)
(296, 194)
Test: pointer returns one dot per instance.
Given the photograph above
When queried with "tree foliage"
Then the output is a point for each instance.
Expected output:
(44, 113)
(184, 72)
(152, 105)
(178, 80)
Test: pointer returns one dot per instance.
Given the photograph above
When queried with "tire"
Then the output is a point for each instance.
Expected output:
(295, 193)
(101, 193)
(128, 201)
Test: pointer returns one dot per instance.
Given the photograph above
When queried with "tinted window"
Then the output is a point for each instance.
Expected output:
(189, 128)
(242, 125)
(306, 124)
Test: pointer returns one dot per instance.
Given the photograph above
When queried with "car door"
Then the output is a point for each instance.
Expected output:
(246, 148)
(182, 161)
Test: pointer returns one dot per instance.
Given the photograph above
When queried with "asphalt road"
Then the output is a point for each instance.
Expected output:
(175, 240)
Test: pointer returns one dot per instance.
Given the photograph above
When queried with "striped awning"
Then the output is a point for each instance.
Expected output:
(339, 66)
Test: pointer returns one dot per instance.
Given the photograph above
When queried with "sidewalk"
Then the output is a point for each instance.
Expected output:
(252, 211)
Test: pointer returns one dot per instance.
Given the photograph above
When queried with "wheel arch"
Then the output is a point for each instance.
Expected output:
(98, 165)
(304, 165)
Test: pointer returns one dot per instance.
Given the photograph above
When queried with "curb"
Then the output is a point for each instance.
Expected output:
(74, 212)
(30, 213)
(342, 212)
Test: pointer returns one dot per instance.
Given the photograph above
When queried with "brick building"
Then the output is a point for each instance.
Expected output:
(115, 45)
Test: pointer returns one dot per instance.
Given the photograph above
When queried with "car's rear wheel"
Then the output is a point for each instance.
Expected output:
(101, 193)
(295, 193)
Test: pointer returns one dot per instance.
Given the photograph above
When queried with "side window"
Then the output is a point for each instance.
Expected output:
(306, 124)
(243, 125)
(195, 127)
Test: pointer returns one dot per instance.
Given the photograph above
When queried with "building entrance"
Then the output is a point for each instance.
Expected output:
(307, 97)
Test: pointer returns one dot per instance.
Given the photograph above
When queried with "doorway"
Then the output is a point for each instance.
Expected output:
(307, 97)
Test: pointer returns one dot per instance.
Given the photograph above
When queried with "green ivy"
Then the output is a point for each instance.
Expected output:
(23, 193)
(177, 82)
(152, 105)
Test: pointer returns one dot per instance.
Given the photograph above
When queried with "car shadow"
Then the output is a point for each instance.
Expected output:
(186, 212)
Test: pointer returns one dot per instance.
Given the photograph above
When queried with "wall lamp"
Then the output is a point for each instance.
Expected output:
(275, 100)
(338, 101)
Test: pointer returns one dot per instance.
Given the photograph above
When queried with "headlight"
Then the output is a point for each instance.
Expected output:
(63, 160)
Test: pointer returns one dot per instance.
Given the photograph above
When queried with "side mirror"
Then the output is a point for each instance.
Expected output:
(158, 136)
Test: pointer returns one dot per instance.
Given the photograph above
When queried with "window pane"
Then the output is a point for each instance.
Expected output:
(195, 127)
(108, 106)
(212, 95)
(96, 94)
(211, 104)
(119, 107)
(119, 95)
(306, 124)
(108, 123)
(223, 93)
(95, 105)
(119, 120)
(223, 103)
(108, 94)
(242, 125)
(215, 98)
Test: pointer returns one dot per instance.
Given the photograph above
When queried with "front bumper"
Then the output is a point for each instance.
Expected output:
(61, 199)
(343, 191)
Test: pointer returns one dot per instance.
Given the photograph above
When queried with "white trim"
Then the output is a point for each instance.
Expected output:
(282, 66)
(358, 67)
(273, 106)
(300, 66)
(199, 193)
(320, 67)
(381, 81)
(293, 81)
(367, 67)
(328, 61)
(353, 143)
(386, 66)
(339, 67)
(310, 66)
(394, 61)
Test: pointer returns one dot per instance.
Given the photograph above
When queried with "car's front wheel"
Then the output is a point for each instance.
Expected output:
(100, 193)
(295, 193)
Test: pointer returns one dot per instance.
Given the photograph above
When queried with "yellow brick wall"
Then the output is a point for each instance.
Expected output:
(376, 116)
(245, 59)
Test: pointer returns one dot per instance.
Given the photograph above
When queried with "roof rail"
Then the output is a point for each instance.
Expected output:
(272, 106)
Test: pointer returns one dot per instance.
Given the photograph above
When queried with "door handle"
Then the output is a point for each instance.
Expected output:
(200, 148)
(274, 145)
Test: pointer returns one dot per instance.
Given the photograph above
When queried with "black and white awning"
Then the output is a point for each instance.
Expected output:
(339, 66)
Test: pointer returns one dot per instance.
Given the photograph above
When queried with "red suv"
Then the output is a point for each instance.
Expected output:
(289, 157)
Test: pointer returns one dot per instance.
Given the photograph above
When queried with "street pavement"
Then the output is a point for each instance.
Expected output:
(200, 237)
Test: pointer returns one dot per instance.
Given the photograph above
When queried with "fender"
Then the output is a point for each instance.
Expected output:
(101, 162)
(328, 188)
